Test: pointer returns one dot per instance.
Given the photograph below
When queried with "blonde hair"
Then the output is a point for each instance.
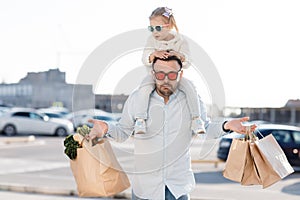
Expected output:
(167, 15)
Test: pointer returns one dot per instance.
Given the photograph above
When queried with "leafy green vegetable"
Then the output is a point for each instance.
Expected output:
(71, 147)
(83, 130)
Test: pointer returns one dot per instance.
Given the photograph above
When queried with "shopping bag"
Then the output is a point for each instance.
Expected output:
(240, 166)
(256, 162)
(96, 170)
(235, 163)
(265, 170)
(272, 155)
(251, 174)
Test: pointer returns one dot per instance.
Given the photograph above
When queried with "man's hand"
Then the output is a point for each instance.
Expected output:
(236, 125)
(99, 128)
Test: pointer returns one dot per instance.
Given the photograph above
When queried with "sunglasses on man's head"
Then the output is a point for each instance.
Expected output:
(157, 28)
(160, 75)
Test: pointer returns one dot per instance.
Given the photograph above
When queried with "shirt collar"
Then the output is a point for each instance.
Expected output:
(174, 95)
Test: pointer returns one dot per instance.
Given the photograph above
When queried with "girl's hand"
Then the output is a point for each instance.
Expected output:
(159, 54)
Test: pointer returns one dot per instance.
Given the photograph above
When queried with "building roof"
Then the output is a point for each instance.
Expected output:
(293, 103)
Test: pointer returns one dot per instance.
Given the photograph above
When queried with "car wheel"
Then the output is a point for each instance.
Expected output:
(9, 130)
(61, 132)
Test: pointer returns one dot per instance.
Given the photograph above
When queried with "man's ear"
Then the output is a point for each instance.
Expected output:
(152, 74)
(181, 73)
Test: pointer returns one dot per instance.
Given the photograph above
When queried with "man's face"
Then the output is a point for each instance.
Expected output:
(166, 87)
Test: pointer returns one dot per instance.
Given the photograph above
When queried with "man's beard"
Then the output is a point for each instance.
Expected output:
(165, 90)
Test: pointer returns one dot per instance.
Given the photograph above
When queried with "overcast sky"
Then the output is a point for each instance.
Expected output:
(254, 45)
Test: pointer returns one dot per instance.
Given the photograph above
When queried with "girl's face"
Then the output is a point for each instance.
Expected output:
(160, 21)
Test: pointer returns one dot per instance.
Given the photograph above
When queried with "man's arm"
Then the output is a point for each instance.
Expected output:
(236, 125)
(219, 127)
(119, 132)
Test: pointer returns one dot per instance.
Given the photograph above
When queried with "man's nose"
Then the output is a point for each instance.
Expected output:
(166, 79)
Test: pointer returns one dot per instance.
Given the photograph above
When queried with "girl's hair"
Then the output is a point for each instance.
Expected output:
(167, 15)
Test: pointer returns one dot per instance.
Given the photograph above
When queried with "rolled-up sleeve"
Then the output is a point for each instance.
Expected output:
(184, 49)
(214, 127)
(124, 128)
(148, 50)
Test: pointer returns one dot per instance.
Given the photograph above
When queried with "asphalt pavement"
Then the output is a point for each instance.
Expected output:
(41, 180)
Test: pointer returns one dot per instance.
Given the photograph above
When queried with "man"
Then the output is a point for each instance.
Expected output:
(162, 159)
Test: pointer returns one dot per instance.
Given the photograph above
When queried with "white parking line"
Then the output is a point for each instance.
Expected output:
(21, 144)
(10, 165)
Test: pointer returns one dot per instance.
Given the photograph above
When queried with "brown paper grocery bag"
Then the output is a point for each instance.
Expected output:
(235, 163)
(271, 150)
(240, 166)
(96, 170)
(256, 162)
(271, 161)
(266, 172)
(250, 175)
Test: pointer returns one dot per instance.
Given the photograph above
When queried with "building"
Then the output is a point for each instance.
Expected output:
(45, 89)
(289, 114)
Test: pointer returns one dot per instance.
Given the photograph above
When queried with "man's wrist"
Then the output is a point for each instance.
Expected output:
(225, 128)
(106, 131)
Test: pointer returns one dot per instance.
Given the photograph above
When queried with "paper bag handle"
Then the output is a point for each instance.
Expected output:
(260, 133)
(250, 136)
(84, 138)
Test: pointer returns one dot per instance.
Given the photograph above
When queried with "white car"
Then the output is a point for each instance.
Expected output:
(81, 117)
(29, 121)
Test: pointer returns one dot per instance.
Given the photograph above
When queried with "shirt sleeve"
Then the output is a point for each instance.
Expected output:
(124, 128)
(149, 48)
(214, 128)
(185, 50)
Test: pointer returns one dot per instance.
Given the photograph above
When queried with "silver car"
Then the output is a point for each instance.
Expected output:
(29, 121)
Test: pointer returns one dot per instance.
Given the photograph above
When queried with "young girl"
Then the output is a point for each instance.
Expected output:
(163, 43)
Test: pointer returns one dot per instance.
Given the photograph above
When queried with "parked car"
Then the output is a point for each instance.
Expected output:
(51, 114)
(59, 110)
(29, 121)
(109, 119)
(4, 109)
(81, 117)
(288, 137)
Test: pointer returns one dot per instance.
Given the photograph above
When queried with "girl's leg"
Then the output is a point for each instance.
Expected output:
(144, 91)
(194, 105)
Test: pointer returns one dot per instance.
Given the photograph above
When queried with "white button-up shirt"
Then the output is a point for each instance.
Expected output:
(162, 155)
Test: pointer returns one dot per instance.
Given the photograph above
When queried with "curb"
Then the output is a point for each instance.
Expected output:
(37, 190)
(67, 192)
(52, 191)
(9, 140)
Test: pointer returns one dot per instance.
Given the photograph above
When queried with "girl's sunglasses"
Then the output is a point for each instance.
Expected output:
(157, 28)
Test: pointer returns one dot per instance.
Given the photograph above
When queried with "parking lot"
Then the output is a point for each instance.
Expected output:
(39, 166)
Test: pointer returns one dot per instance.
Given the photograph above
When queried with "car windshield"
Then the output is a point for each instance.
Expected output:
(53, 115)
(282, 136)
(105, 118)
(36, 116)
(296, 135)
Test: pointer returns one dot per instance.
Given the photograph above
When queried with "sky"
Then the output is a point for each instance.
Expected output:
(254, 45)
